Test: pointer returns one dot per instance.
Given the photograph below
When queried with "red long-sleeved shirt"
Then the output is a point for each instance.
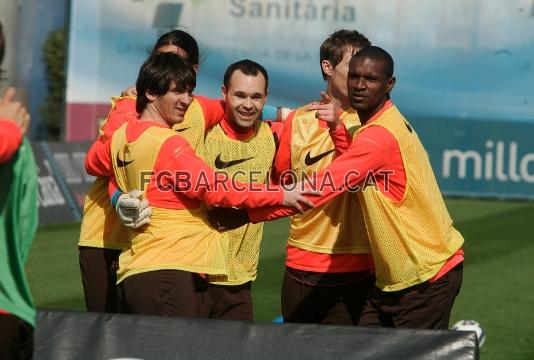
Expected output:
(124, 110)
(282, 162)
(374, 151)
(307, 260)
(10, 139)
(318, 262)
(176, 155)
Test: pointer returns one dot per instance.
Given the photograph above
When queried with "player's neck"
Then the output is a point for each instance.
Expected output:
(151, 113)
(372, 114)
(236, 132)
(342, 100)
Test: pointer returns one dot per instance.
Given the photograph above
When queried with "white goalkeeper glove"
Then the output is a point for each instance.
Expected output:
(132, 211)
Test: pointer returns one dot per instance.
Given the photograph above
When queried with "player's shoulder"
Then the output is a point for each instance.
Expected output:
(302, 113)
(206, 101)
(173, 137)
(379, 136)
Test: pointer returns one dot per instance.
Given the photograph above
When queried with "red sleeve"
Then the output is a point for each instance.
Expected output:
(98, 159)
(190, 175)
(277, 128)
(212, 109)
(341, 139)
(10, 139)
(370, 151)
(122, 110)
(282, 159)
(112, 186)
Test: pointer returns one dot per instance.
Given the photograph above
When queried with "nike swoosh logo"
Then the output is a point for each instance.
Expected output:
(310, 160)
(122, 163)
(220, 164)
(184, 129)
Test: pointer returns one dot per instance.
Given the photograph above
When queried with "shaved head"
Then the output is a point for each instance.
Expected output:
(377, 54)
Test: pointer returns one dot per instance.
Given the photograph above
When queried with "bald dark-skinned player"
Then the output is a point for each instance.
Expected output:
(417, 251)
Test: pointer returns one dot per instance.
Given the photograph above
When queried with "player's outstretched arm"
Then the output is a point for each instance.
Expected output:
(192, 177)
(134, 212)
(296, 197)
(224, 218)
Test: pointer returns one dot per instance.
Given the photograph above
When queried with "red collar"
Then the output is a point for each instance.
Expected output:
(386, 106)
(232, 134)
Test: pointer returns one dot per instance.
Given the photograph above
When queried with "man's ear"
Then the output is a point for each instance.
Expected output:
(150, 97)
(327, 67)
(224, 92)
(196, 68)
(391, 84)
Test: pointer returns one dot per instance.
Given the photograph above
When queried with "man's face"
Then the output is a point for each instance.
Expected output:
(338, 75)
(173, 104)
(368, 85)
(244, 99)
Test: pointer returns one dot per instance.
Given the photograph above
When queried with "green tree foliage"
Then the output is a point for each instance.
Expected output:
(53, 111)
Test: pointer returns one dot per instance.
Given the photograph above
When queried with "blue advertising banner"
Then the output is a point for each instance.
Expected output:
(480, 158)
(464, 69)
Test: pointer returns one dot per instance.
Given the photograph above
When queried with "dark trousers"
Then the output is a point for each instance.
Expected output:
(16, 338)
(423, 306)
(185, 294)
(98, 268)
(164, 293)
(324, 304)
(228, 302)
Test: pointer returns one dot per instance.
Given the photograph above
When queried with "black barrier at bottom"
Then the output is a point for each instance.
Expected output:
(81, 336)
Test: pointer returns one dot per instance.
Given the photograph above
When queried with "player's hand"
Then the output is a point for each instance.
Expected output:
(131, 91)
(132, 211)
(328, 110)
(14, 111)
(294, 196)
(222, 218)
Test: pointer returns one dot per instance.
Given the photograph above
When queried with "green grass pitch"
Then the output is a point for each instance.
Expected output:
(498, 287)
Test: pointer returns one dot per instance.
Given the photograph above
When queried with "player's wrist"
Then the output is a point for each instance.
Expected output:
(115, 198)
(335, 127)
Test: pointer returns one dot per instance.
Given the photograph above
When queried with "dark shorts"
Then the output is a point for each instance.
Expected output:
(98, 268)
(164, 293)
(16, 338)
(185, 294)
(228, 302)
(423, 306)
(335, 303)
